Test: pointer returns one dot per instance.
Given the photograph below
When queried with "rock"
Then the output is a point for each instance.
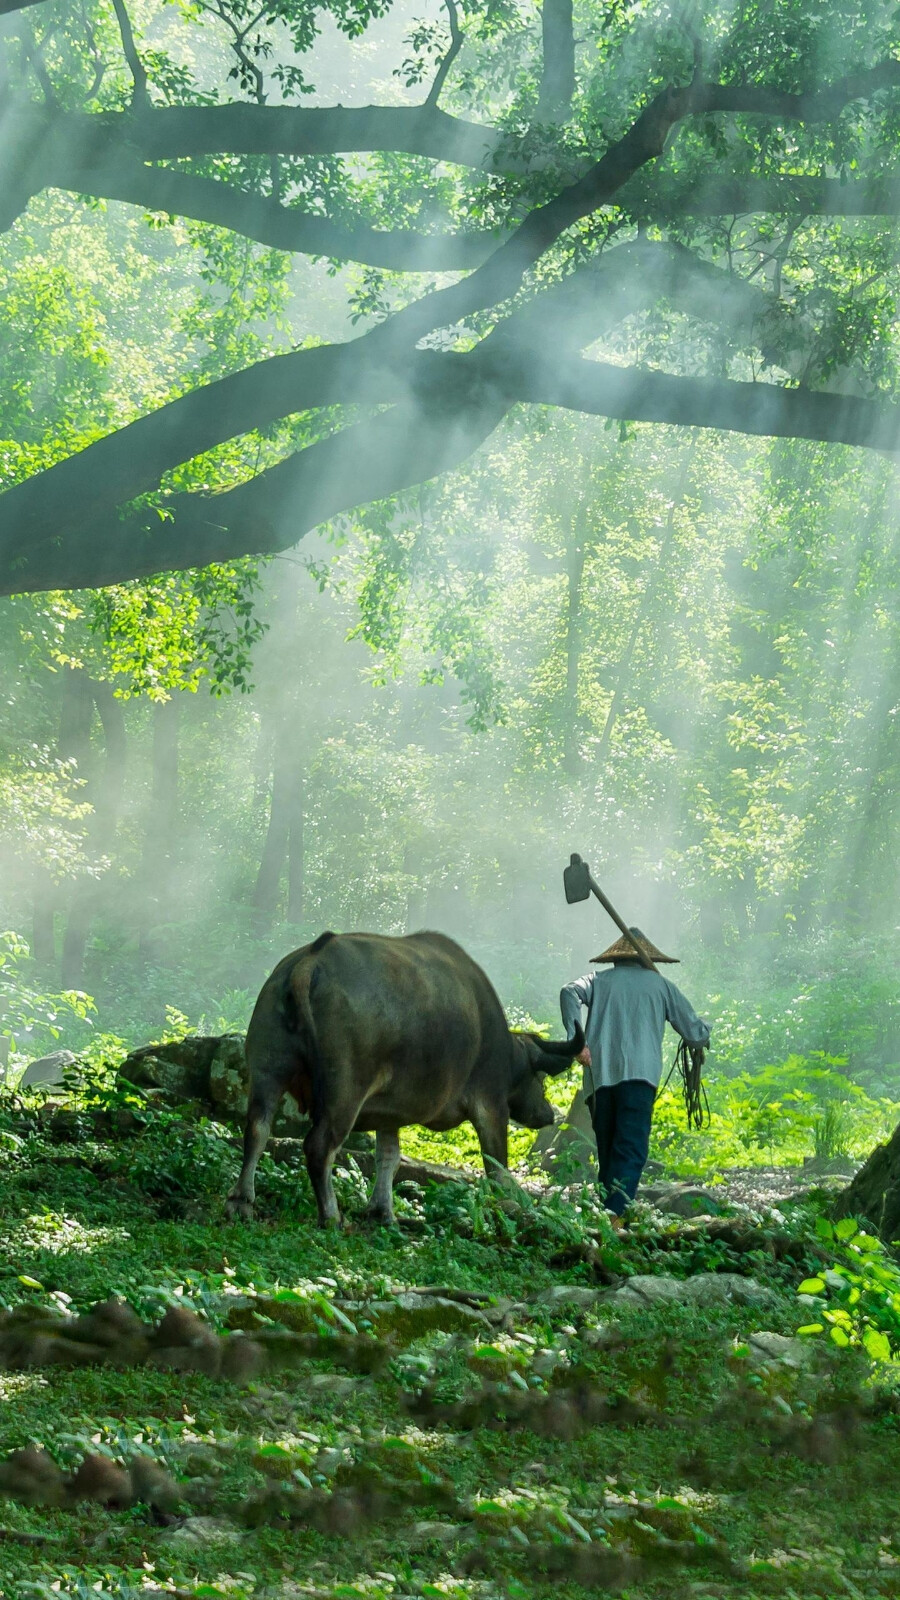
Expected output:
(437, 1532)
(203, 1530)
(425, 1172)
(64, 1125)
(778, 1349)
(568, 1149)
(411, 1315)
(717, 1288)
(829, 1166)
(645, 1291)
(706, 1289)
(683, 1200)
(181, 1068)
(409, 1171)
(47, 1070)
(332, 1383)
(300, 1313)
(227, 1086)
(286, 1152)
(569, 1294)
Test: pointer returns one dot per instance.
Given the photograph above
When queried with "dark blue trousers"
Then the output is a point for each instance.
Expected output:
(622, 1115)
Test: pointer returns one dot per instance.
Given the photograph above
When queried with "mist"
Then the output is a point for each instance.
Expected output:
(668, 646)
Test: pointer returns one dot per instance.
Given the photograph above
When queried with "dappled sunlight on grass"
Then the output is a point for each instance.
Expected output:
(58, 1234)
(17, 1385)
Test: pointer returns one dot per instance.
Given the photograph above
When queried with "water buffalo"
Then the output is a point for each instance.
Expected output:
(372, 1032)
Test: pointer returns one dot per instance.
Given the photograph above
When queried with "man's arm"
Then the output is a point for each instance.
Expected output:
(684, 1019)
(571, 999)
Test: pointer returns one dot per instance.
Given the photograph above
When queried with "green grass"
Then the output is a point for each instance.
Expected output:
(717, 1472)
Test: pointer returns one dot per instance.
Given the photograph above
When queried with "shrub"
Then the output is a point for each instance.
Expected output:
(857, 1300)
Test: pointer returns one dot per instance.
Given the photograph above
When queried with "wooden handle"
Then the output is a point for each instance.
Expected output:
(609, 908)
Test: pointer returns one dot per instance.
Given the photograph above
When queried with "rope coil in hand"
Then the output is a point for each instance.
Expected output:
(689, 1059)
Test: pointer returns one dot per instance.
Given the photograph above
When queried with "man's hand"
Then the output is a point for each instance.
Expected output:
(584, 1059)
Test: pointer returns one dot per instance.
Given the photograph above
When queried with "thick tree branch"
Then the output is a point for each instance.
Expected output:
(134, 459)
(763, 409)
(42, 144)
(456, 401)
(266, 220)
(791, 194)
(567, 318)
(558, 75)
(407, 445)
(502, 274)
(62, 529)
(172, 132)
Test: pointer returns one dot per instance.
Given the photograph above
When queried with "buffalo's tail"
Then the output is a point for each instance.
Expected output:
(297, 1018)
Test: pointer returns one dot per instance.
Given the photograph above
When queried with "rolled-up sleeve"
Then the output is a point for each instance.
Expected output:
(684, 1019)
(571, 999)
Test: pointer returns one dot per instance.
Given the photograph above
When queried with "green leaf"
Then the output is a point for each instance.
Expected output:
(840, 1338)
(30, 1283)
(811, 1327)
(824, 1228)
(811, 1286)
(846, 1228)
(877, 1344)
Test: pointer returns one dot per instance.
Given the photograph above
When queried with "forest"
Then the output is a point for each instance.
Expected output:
(436, 439)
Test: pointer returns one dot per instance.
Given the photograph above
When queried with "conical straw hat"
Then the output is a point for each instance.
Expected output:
(623, 950)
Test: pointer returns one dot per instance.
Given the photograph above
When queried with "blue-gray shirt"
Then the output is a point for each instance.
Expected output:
(628, 1008)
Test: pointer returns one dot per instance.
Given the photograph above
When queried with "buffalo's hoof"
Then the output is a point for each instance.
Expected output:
(238, 1210)
(380, 1217)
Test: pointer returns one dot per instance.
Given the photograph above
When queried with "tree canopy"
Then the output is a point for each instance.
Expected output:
(634, 210)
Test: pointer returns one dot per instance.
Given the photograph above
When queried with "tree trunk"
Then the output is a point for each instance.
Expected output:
(296, 862)
(576, 558)
(78, 925)
(283, 845)
(111, 782)
(874, 1193)
(644, 610)
(162, 821)
(164, 790)
(105, 793)
(75, 716)
(558, 76)
(73, 744)
(43, 945)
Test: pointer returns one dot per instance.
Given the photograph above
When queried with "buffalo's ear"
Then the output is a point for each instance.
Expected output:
(560, 1052)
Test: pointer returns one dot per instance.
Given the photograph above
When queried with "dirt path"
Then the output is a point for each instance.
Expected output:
(762, 1187)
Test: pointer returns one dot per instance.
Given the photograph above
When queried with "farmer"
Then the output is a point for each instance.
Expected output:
(627, 1011)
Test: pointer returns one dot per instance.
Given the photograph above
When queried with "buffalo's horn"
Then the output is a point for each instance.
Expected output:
(568, 1049)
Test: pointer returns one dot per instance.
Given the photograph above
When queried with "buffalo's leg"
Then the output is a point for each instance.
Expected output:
(387, 1160)
(264, 1103)
(321, 1145)
(492, 1129)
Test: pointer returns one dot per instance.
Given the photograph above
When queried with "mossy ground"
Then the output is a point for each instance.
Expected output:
(713, 1492)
